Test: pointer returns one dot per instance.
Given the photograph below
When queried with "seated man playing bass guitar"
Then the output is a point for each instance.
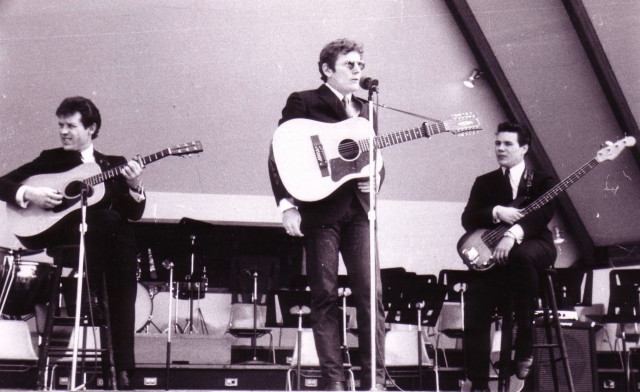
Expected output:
(525, 249)
(110, 243)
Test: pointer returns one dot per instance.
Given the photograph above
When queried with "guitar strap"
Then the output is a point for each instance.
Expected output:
(528, 181)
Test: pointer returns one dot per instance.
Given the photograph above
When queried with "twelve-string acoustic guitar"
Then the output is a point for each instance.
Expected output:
(315, 158)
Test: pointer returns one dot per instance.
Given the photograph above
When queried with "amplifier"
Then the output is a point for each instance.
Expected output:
(580, 344)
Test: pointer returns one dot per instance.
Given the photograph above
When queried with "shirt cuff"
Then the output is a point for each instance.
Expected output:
(137, 194)
(20, 197)
(517, 232)
(285, 204)
(494, 215)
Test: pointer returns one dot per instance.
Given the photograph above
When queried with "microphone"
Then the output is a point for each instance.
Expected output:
(368, 83)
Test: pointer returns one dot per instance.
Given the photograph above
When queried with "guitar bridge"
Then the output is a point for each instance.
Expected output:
(321, 157)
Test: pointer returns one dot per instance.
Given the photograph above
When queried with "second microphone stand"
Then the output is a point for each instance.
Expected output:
(373, 188)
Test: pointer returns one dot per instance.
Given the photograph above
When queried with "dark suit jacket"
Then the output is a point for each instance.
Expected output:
(490, 190)
(117, 197)
(320, 105)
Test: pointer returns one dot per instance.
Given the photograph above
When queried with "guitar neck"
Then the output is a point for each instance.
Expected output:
(560, 187)
(115, 171)
(494, 235)
(390, 139)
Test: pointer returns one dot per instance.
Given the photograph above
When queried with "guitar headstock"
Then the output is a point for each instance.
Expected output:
(612, 150)
(463, 124)
(186, 149)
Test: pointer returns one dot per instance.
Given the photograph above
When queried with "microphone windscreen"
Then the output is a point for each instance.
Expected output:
(365, 83)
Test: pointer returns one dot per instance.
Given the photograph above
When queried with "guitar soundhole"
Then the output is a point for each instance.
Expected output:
(348, 149)
(74, 189)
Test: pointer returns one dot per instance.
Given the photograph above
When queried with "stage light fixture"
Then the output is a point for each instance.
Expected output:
(470, 81)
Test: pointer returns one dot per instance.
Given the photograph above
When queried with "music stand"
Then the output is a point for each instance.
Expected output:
(292, 305)
(194, 290)
(251, 274)
(570, 282)
(419, 304)
(624, 308)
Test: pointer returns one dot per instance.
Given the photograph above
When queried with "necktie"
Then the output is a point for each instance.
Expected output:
(346, 103)
(507, 181)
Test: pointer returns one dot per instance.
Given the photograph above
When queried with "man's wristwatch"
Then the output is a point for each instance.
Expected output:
(139, 189)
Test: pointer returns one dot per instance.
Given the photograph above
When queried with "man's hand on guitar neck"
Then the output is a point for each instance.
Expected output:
(132, 172)
(43, 197)
(291, 222)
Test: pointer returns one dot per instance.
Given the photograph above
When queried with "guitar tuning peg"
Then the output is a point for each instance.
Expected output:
(606, 144)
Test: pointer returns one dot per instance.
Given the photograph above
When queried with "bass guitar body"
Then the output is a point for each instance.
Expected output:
(476, 250)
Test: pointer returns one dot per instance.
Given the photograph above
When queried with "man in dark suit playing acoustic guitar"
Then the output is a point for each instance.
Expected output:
(110, 243)
(525, 249)
(335, 224)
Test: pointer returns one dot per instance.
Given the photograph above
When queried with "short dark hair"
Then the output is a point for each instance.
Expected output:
(333, 49)
(524, 135)
(89, 112)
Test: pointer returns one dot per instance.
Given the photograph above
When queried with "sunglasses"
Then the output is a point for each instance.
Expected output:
(352, 64)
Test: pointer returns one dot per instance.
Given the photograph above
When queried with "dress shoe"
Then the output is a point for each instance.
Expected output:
(523, 367)
(335, 386)
(124, 383)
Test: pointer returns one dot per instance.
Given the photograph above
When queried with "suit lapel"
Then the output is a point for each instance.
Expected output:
(330, 98)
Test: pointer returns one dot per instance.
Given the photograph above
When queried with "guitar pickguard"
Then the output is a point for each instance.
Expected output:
(66, 204)
(340, 168)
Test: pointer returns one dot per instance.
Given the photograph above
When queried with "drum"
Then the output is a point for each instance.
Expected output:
(195, 290)
(144, 306)
(24, 284)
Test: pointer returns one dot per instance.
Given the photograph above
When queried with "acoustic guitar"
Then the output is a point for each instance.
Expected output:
(476, 247)
(315, 158)
(29, 222)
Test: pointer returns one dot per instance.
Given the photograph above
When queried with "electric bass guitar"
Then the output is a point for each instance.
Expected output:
(315, 158)
(29, 222)
(476, 247)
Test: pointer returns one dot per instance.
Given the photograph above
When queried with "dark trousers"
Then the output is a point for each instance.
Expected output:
(350, 237)
(487, 291)
(111, 252)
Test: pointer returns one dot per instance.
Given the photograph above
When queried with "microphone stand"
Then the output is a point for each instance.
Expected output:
(189, 326)
(81, 256)
(373, 118)
(169, 265)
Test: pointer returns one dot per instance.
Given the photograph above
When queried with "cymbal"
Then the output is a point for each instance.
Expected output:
(20, 251)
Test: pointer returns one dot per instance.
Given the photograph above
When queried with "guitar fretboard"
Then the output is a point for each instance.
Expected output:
(560, 187)
(108, 174)
(390, 139)
(492, 237)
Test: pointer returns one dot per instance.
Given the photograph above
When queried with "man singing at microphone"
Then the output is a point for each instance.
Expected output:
(336, 224)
